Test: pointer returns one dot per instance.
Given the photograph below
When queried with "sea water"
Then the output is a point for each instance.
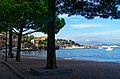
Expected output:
(91, 54)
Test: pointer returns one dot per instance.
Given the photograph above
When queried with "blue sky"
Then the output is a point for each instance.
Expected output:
(78, 28)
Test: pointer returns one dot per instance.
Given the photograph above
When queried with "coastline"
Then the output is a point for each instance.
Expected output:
(68, 59)
(97, 55)
(71, 59)
(82, 69)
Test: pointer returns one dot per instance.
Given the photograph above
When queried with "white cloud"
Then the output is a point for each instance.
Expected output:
(38, 34)
(103, 36)
(63, 16)
(87, 40)
(86, 25)
(112, 34)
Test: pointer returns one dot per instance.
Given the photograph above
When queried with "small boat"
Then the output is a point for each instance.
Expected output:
(67, 58)
(73, 47)
(100, 48)
(109, 49)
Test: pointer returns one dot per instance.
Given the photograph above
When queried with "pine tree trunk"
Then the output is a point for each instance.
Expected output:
(51, 55)
(19, 45)
(10, 54)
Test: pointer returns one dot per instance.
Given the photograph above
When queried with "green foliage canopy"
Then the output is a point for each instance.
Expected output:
(60, 22)
(90, 8)
(27, 38)
(32, 13)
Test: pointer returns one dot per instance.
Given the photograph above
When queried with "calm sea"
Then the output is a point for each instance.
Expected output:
(100, 55)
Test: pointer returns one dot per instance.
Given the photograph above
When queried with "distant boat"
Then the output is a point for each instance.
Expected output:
(68, 48)
(67, 58)
(73, 47)
(100, 48)
(109, 49)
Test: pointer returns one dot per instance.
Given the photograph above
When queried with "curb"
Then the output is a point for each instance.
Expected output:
(15, 71)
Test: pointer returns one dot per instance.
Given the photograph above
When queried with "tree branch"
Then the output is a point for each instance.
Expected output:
(15, 32)
(31, 32)
(25, 30)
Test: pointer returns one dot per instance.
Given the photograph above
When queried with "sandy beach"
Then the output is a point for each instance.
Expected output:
(81, 69)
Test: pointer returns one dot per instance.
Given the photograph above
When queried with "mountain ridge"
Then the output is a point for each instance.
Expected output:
(97, 43)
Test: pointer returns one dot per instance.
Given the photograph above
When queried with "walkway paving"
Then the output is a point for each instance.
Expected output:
(6, 73)
(81, 69)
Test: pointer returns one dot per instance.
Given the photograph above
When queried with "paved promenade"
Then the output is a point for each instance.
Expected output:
(81, 69)
(6, 73)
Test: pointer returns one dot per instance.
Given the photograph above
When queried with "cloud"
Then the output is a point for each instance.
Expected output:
(111, 34)
(103, 36)
(63, 16)
(85, 25)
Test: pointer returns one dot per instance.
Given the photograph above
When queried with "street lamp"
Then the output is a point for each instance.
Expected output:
(6, 46)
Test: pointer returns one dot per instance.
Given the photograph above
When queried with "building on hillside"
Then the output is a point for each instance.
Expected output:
(2, 40)
(14, 42)
(37, 39)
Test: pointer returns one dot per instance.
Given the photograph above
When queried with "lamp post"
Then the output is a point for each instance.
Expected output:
(1, 41)
(6, 46)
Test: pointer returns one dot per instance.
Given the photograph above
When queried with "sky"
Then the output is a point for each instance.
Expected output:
(80, 29)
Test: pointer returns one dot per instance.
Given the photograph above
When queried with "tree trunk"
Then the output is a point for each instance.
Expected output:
(10, 54)
(19, 45)
(51, 55)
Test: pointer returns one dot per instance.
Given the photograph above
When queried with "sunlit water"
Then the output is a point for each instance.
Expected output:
(100, 55)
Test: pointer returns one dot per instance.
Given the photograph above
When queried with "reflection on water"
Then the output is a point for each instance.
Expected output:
(83, 54)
